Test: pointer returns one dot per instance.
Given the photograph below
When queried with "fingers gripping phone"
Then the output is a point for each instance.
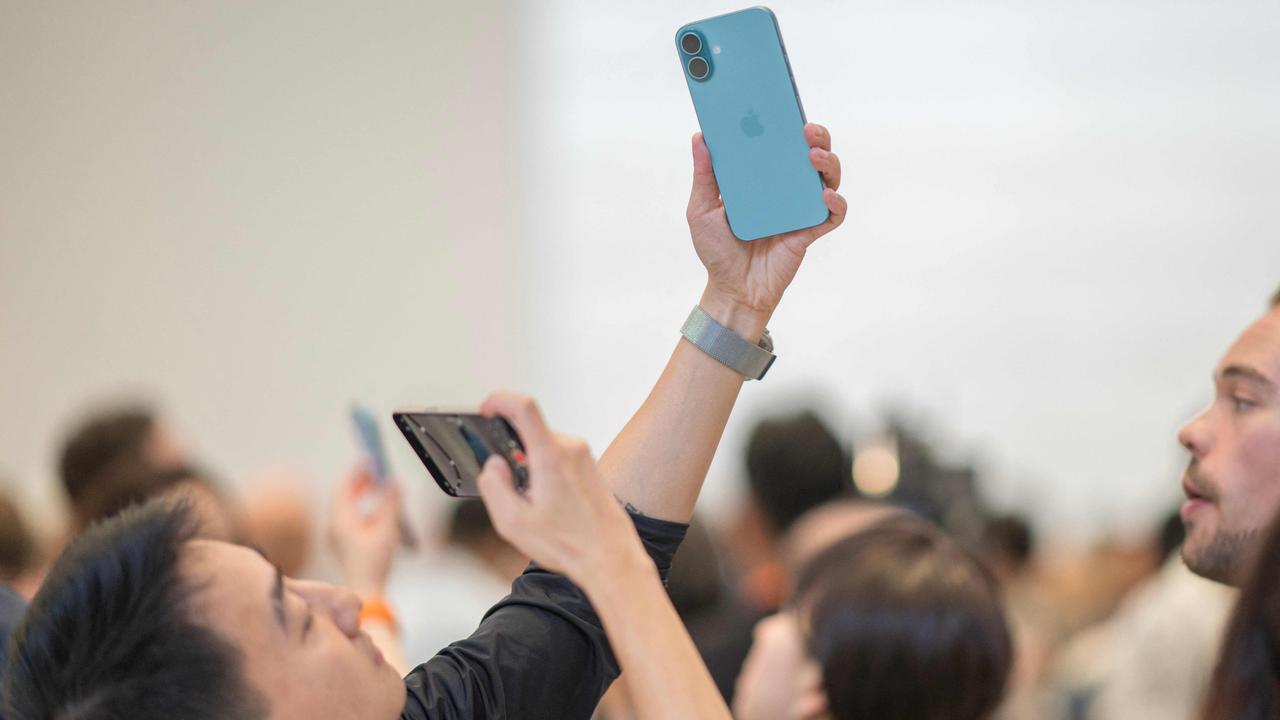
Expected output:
(455, 445)
(752, 121)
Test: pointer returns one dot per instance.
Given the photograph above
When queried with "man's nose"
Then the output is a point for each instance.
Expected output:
(1194, 435)
(340, 604)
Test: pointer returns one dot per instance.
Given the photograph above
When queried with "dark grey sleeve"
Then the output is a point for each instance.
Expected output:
(539, 653)
(11, 608)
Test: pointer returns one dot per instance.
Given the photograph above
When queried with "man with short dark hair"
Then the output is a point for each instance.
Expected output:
(1232, 482)
(794, 464)
(119, 442)
(139, 620)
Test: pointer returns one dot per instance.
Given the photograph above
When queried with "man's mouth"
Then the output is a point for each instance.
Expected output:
(1191, 491)
(1195, 488)
(1198, 497)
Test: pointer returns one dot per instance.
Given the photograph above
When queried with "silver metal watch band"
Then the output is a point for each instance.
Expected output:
(748, 359)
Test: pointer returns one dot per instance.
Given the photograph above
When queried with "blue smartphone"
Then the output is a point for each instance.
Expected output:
(371, 443)
(751, 118)
(370, 440)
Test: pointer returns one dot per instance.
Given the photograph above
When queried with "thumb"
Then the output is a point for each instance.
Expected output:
(499, 494)
(705, 195)
(346, 612)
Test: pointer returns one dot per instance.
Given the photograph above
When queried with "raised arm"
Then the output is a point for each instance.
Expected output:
(659, 460)
(568, 522)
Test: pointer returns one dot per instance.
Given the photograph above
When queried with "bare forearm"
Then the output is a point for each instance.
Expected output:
(659, 460)
(665, 676)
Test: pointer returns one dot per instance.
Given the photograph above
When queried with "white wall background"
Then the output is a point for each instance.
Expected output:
(258, 212)
(254, 213)
(1062, 213)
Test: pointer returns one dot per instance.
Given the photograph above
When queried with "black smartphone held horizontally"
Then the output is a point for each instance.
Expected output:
(455, 445)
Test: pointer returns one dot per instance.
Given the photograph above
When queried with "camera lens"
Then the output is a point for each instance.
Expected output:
(699, 68)
(690, 43)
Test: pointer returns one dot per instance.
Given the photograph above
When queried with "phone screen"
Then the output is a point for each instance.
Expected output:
(454, 447)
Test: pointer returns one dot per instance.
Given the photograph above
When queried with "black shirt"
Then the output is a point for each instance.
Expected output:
(11, 608)
(539, 653)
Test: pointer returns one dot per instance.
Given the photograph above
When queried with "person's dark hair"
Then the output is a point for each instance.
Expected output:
(1170, 535)
(794, 464)
(906, 624)
(17, 546)
(109, 634)
(1275, 299)
(696, 581)
(1246, 681)
(1009, 539)
(107, 441)
(121, 486)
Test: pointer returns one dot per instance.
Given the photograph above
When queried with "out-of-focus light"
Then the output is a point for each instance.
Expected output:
(876, 471)
(715, 49)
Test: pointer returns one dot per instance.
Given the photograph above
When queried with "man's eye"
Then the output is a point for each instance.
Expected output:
(1242, 404)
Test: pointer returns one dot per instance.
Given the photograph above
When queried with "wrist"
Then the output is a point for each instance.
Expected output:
(742, 318)
(367, 584)
(375, 609)
(617, 574)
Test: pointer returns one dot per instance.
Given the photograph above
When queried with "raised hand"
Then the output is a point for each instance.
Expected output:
(566, 520)
(750, 277)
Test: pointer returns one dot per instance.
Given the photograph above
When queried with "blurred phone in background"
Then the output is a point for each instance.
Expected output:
(370, 441)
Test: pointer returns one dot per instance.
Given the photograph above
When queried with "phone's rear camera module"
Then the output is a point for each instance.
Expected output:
(690, 43)
(699, 69)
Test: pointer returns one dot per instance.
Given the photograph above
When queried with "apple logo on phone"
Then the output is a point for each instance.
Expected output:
(751, 126)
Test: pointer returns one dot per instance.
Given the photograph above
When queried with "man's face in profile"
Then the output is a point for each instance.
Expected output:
(303, 650)
(1233, 480)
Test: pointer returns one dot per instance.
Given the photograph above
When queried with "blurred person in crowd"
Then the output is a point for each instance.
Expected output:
(1152, 655)
(1232, 482)
(827, 524)
(217, 517)
(794, 463)
(893, 622)
(697, 583)
(113, 441)
(278, 522)
(440, 594)
(200, 609)
(1008, 544)
(17, 557)
(1159, 646)
(1246, 680)
(20, 555)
